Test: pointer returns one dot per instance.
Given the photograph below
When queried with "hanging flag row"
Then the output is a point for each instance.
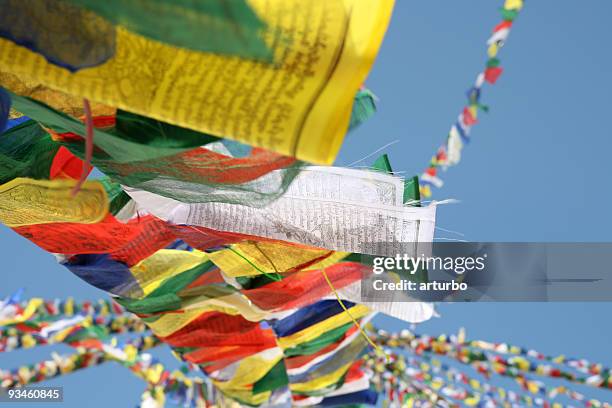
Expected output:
(58, 307)
(449, 154)
(484, 361)
(469, 390)
(74, 332)
(458, 340)
(267, 314)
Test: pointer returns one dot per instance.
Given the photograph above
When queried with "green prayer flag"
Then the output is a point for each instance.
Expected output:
(275, 378)
(228, 27)
(319, 343)
(156, 140)
(26, 150)
(364, 107)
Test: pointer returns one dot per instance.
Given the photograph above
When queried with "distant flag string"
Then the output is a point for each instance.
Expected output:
(486, 362)
(75, 332)
(84, 326)
(395, 371)
(401, 367)
(579, 364)
(83, 358)
(449, 153)
(70, 307)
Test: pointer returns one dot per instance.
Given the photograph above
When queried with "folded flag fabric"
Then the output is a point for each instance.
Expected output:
(209, 306)
(321, 345)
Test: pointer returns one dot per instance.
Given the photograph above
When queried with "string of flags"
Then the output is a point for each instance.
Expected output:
(393, 373)
(82, 359)
(70, 331)
(151, 280)
(403, 368)
(60, 307)
(573, 363)
(449, 153)
(487, 362)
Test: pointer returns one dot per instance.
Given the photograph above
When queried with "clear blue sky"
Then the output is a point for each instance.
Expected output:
(536, 169)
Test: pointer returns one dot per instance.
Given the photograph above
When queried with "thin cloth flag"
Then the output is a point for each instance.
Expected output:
(301, 112)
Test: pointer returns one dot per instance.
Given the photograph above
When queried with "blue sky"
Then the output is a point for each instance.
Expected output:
(536, 169)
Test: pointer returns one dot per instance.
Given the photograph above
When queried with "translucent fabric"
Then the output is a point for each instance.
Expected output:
(116, 136)
(197, 175)
(219, 26)
(202, 175)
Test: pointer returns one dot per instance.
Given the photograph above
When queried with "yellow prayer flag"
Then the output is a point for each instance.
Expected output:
(169, 323)
(28, 341)
(472, 401)
(26, 201)
(255, 258)
(513, 4)
(300, 105)
(533, 387)
(233, 304)
(322, 381)
(492, 50)
(425, 191)
(250, 370)
(163, 264)
(28, 312)
(69, 307)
